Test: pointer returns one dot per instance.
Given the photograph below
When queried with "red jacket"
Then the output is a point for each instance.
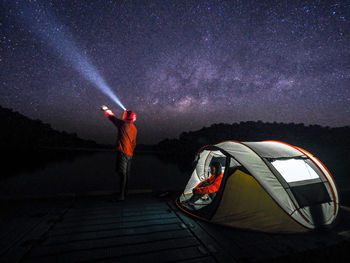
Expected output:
(213, 187)
(127, 132)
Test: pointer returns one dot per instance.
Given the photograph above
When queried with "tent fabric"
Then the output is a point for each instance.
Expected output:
(202, 171)
(255, 165)
(246, 204)
(328, 177)
(271, 149)
(255, 195)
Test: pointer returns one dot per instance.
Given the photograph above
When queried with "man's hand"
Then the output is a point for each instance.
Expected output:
(205, 197)
(104, 108)
(107, 111)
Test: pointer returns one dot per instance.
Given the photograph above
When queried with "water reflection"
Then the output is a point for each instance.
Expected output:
(94, 172)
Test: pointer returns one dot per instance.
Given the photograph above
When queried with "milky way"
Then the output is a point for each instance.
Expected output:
(180, 65)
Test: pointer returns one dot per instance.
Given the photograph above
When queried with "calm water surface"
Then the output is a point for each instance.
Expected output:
(92, 173)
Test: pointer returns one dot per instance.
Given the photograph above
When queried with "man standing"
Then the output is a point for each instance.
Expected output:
(126, 143)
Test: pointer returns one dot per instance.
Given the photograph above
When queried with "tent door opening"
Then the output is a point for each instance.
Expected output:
(205, 181)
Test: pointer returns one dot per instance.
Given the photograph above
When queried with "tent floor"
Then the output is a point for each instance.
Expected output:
(145, 228)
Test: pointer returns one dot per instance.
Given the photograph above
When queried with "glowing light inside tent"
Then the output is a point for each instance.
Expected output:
(294, 170)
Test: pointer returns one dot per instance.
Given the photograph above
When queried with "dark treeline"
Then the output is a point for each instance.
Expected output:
(330, 145)
(19, 131)
(29, 145)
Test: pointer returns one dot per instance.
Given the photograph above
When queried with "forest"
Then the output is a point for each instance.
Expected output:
(21, 132)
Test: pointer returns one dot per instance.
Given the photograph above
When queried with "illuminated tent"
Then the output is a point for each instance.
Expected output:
(267, 186)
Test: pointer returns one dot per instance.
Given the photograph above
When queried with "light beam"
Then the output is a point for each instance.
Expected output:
(42, 22)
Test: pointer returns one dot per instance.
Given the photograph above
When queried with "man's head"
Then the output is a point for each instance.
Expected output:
(215, 168)
(129, 116)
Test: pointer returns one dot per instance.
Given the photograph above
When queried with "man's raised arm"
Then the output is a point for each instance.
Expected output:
(117, 122)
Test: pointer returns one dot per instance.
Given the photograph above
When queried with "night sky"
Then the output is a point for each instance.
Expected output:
(180, 65)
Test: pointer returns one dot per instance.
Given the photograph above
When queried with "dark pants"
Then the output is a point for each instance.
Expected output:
(123, 165)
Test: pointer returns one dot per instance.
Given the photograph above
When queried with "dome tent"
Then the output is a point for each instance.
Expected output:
(267, 186)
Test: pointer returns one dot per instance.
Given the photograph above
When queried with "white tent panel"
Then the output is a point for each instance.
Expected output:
(194, 180)
(273, 149)
(197, 172)
(299, 218)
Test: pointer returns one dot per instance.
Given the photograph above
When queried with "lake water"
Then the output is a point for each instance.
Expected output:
(94, 172)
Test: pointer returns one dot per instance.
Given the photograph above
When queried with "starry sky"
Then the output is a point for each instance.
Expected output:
(180, 65)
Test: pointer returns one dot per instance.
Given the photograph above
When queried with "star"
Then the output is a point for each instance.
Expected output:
(179, 64)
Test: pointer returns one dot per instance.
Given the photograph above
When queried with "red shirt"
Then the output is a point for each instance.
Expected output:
(127, 132)
(213, 187)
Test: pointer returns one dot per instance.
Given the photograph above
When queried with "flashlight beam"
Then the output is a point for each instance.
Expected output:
(42, 22)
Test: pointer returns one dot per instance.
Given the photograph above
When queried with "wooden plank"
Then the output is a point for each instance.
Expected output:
(139, 212)
(55, 240)
(81, 217)
(103, 232)
(30, 239)
(257, 246)
(14, 231)
(95, 254)
(119, 212)
(113, 220)
(213, 247)
(109, 227)
(183, 255)
(20, 217)
(91, 211)
(32, 226)
(208, 259)
(112, 241)
(254, 245)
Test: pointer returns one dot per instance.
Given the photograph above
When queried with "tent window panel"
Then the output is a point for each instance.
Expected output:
(311, 194)
(317, 170)
(294, 170)
(312, 181)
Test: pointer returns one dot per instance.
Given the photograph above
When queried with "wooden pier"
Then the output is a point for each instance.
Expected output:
(146, 228)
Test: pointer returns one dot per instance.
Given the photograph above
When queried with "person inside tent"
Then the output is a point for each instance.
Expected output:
(206, 190)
